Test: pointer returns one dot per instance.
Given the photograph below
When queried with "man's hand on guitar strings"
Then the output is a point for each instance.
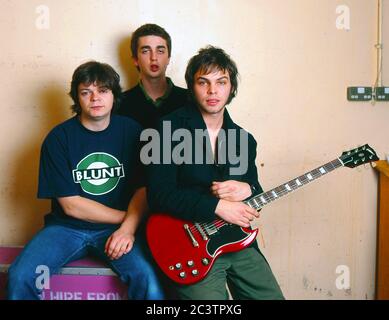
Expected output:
(236, 213)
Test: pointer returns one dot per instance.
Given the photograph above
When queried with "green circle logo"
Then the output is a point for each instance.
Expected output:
(98, 173)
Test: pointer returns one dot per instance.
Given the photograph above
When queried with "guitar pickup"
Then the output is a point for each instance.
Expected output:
(198, 227)
(210, 229)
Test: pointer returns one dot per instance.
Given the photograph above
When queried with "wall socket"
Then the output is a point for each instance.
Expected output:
(367, 93)
(359, 93)
(381, 94)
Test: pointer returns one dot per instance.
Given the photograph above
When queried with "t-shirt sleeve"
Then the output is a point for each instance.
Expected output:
(55, 172)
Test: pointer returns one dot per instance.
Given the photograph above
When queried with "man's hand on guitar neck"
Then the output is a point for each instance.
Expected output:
(236, 213)
(231, 190)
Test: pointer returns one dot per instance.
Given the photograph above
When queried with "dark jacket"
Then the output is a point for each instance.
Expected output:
(134, 104)
(183, 190)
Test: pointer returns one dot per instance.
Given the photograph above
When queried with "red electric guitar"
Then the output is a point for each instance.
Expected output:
(186, 251)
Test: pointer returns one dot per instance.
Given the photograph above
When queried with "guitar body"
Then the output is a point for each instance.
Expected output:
(183, 253)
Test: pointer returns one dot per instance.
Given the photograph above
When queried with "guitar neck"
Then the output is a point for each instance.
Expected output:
(350, 159)
(261, 200)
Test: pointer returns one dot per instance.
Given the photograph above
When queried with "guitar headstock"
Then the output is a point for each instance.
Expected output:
(358, 156)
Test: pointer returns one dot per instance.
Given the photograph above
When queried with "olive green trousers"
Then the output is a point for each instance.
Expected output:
(246, 273)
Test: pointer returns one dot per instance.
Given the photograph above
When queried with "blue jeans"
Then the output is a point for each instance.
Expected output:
(56, 245)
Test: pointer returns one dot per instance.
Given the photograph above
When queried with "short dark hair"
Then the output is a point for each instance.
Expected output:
(150, 29)
(95, 72)
(210, 59)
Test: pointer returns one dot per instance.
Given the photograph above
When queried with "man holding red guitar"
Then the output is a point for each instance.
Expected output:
(202, 192)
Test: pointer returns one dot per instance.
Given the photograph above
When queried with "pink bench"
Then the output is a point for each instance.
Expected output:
(85, 279)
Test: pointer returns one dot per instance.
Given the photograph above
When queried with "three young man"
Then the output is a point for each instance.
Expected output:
(89, 167)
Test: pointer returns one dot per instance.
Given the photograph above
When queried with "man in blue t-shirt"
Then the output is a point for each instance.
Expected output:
(89, 168)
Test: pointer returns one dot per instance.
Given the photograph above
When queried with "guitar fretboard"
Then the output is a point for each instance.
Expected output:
(351, 159)
(261, 200)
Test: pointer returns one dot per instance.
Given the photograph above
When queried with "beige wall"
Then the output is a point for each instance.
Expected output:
(295, 66)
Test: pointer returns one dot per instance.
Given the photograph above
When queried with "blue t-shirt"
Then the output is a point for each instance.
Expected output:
(99, 165)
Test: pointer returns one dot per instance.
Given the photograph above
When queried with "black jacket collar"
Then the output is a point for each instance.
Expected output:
(196, 121)
(193, 119)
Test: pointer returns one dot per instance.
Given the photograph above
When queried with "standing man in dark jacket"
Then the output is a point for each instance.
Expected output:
(155, 95)
(215, 187)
